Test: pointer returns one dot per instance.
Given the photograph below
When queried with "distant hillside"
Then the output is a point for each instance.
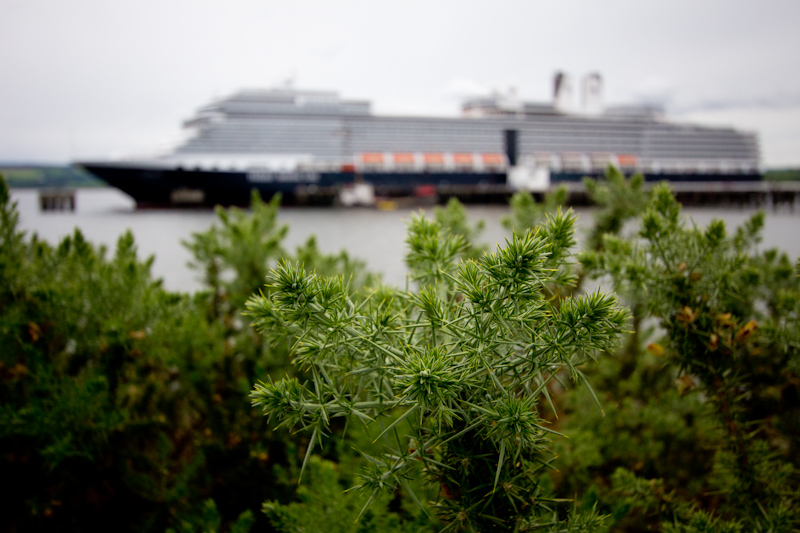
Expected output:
(40, 176)
(783, 174)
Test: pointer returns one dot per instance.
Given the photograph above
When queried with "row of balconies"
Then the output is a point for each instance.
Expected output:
(414, 162)
(555, 162)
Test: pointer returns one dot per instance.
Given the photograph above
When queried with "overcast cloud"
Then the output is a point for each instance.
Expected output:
(93, 78)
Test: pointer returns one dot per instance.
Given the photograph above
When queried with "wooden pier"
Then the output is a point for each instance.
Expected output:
(757, 194)
(57, 199)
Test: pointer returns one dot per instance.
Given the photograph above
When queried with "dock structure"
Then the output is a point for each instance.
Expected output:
(752, 194)
(57, 199)
(760, 194)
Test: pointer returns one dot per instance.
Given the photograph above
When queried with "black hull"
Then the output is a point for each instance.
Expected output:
(147, 187)
(168, 187)
(154, 187)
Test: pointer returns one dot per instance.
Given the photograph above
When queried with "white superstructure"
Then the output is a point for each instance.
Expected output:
(324, 127)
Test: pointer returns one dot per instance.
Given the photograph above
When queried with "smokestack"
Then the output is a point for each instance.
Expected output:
(593, 94)
(562, 92)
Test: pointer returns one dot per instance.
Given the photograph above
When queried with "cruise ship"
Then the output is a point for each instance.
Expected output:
(306, 144)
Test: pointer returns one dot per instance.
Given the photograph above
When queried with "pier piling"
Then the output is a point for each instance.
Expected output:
(57, 199)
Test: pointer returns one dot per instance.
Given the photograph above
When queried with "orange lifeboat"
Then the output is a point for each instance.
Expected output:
(403, 159)
(463, 160)
(372, 158)
(434, 159)
(492, 160)
(626, 160)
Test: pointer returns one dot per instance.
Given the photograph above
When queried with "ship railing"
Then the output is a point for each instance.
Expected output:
(600, 161)
(575, 162)
(699, 166)
(595, 162)
(547, 160)
(213, 165)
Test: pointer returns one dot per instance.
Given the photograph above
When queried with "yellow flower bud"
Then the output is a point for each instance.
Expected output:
(655, 349)
(746, 331)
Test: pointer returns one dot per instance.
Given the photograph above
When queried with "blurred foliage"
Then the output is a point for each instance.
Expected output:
(453, 219)
(527, 213)
(124, 406)
(618, 201)
(323, 502)
(235, 254)
(208, 520)
(782, 174)
(720, 425)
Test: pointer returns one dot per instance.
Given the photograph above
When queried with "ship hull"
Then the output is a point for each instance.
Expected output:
(148, 187)
(177, 187)
(153, 187)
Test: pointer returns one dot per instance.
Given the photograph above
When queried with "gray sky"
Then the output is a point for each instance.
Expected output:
(94, 78)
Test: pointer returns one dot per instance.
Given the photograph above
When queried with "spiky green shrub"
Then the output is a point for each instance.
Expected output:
(124, 406)
(729, 315)
(527, 213)
(453, 219)
(234, 254)
(121, 405)
(323, 503)
(464, 361)
(618, 201)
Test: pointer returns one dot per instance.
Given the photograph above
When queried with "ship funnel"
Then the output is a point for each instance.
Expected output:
(593, 94)
(562, 92)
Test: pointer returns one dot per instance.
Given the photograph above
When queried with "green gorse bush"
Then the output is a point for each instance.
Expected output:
(464, 361)
(729, 317)
(124, 406)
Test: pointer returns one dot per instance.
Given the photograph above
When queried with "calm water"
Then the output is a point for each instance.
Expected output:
(374, 236)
